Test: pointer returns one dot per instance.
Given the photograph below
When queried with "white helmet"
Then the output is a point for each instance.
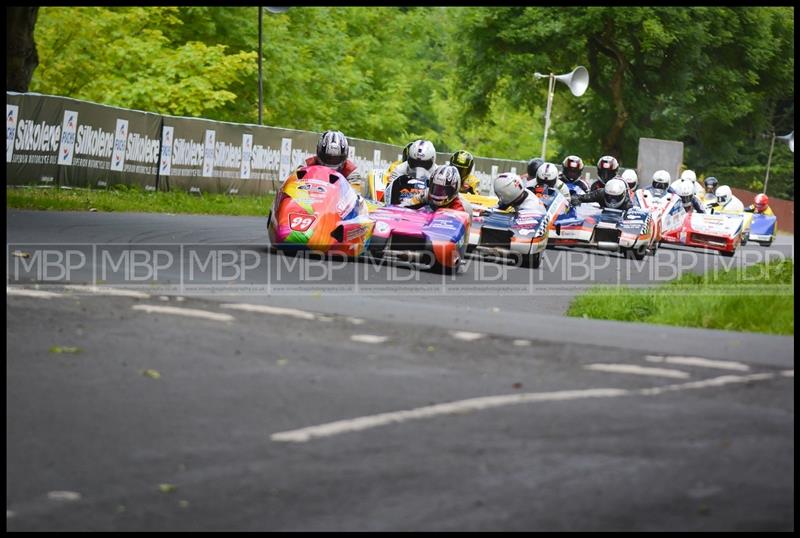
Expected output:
(615, 192)
(508, 187)
(422, 154)
(631, 178)
(685, 190)
(724, 194)
(689, 175)
(661, 179)
(547, 174)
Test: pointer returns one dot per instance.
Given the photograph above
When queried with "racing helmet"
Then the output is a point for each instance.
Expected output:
(464, 163)
(572, 167)
(661, 179)
(533, 166)
(615, 193)
(711, 183)
(332, 149)
(761, 202)
(688, 175)
(724, 194)
(685, 190)
(508, 187)
(631, 178)
(607, 168)
(405, 151)
(547, 174)
(443, 185)
(422, 154)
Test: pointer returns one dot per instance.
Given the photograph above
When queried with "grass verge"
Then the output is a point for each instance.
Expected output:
(124, 198)
(758, 298)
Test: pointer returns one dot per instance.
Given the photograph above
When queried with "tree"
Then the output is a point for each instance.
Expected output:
(123, 57)
(21, 56)
(707, 76)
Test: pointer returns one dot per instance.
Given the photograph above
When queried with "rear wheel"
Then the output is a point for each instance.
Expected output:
(637, 253)
(745, 238)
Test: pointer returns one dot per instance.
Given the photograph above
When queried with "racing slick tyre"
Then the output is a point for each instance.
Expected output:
(636, 253)
(745, 238)
(727, 254)
(532, 261)
(457, 269)
(765, 243)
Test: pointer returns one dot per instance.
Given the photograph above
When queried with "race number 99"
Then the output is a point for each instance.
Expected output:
(300, 223)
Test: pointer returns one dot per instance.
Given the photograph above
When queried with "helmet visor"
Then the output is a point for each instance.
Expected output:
(413, 162)
(440, 195)
(572, 174)
(334, 161)
(614, 200)
(605, 174)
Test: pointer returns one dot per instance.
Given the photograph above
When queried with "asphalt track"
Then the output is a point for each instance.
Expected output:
(598, 425)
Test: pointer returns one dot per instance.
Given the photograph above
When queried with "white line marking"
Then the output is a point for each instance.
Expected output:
(522, 343)
(369, 338)
(637, 370)
(476, 404)
(24, 292)
(788, 373)
(264, 309)
(108, 291)
(463, 406)
(190, 312)
(355, 321)
(699, 361)
(714, 382)
(466, 335)
(64, 496)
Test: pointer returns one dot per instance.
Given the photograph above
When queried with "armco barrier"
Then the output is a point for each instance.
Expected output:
(70, 142)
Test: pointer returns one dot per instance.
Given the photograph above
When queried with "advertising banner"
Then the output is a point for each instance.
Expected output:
(75, 143)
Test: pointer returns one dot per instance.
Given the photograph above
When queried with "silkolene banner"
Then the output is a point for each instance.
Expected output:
(215, 156)
(66, 141)
(75, 143)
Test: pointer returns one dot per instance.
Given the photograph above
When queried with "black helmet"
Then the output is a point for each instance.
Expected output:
(533, 166)
(405, 151)
(464, 163)
(572, 167)
(607, 168)
(711, 183)
(332, 148)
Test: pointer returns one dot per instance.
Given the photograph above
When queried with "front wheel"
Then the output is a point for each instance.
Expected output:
(532, 261)
(637, 253)
(728, 254)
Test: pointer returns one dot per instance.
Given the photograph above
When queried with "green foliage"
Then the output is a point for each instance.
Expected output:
(123, 57)
(715, 78)
(758, 298)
